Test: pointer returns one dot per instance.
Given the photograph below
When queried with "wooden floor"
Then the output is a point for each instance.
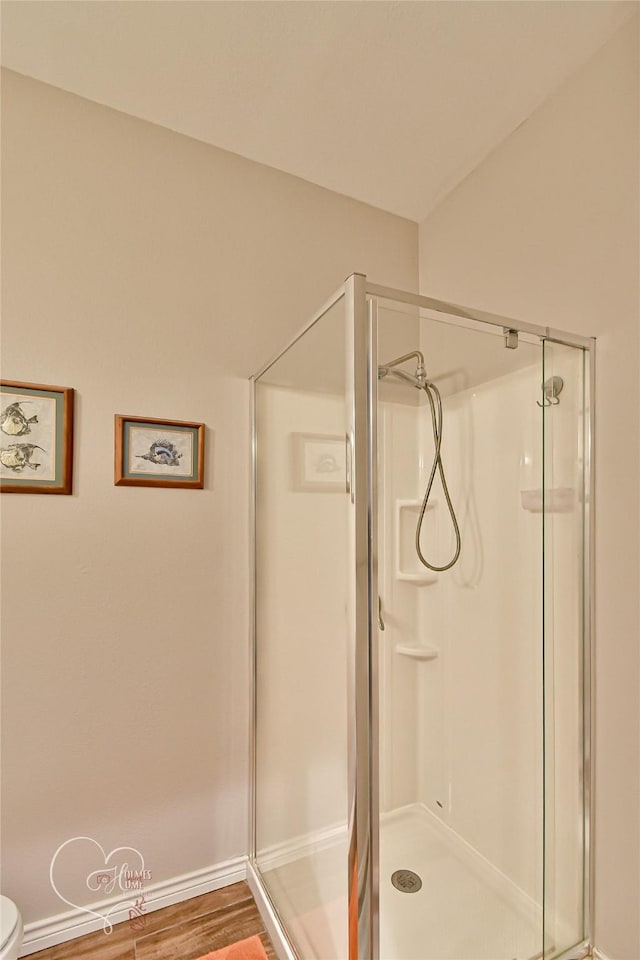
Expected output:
(184, 931)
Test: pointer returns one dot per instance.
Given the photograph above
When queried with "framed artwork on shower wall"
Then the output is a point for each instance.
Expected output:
(319, 463)
(36, 438)
(158, 453)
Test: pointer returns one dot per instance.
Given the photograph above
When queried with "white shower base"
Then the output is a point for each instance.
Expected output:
(465, 910)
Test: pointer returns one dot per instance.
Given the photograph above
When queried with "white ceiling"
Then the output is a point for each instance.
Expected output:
(392, 103)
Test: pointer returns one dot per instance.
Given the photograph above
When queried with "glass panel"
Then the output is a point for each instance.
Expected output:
(302, 517)
(565, 427)
(461, 666)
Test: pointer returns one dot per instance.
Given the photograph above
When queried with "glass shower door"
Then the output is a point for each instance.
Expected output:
(567, 464)
(461, 655)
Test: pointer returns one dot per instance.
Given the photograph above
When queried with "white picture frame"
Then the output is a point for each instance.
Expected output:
(319, 463)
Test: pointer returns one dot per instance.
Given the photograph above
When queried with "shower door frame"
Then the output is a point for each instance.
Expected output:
(361, 300)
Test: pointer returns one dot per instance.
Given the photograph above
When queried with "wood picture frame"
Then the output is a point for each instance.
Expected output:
(158, 453)
(36, 438)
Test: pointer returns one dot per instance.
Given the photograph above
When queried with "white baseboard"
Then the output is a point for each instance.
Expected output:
(599, 955)
(304, 845)
(76, 923)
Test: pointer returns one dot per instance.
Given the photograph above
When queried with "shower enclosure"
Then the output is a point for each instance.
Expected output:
(421, 737)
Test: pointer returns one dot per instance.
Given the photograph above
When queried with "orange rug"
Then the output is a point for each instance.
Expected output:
(249, 949)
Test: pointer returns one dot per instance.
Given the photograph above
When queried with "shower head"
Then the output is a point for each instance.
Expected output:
(417, 380)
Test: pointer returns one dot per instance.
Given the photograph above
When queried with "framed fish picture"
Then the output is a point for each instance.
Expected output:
(36, 438)
(158, 453)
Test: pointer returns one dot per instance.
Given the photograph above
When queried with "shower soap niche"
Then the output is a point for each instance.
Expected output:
(408, 566)
(417, 653)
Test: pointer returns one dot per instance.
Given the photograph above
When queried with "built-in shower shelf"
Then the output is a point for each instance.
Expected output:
(408, 566)
(553, 500)
(417, 578)
(417, 653)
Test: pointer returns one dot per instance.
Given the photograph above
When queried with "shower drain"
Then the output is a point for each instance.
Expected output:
(406, 881)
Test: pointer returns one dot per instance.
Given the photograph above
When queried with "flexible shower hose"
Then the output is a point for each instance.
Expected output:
(436, 419)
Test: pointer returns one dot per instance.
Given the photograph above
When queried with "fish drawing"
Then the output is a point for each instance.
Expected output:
(18, 456)
(14, 422)
(327, 463)
(163, 452)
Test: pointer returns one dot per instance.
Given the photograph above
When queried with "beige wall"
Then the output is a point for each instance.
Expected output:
(152, 273)
(546, 229)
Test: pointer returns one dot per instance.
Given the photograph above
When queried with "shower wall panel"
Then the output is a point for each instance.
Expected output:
(481, 771)
(398, 482)
(490, 730)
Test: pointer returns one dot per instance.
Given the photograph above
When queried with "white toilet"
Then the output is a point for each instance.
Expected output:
(10, 929)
